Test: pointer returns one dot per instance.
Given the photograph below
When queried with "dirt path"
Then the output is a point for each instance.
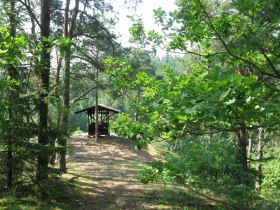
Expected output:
(107, 172)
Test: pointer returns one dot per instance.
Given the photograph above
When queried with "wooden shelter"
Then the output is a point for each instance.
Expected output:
(104, 114)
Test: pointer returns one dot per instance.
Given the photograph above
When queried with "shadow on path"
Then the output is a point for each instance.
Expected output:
(107, 174)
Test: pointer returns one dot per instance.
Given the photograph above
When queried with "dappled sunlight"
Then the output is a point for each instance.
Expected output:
(106, 173)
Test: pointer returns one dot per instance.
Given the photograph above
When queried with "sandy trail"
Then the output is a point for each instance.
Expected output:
(107, 172)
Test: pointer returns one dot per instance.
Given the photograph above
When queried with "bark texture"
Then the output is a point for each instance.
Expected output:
(242, 146)
(44, 67)
(68, 34)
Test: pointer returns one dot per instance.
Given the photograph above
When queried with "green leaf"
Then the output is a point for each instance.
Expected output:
(224, 94)
(229, 102)
(190, 111)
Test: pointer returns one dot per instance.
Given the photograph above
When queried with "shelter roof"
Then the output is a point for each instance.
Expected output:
(100, 107)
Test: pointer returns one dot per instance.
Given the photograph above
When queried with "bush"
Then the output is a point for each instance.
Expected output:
(212, 168)
(271, 180)
(78, 131)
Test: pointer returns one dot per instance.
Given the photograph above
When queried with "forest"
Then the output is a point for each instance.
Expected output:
(208, 107)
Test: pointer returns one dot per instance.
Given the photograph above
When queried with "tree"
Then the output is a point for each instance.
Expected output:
(247, 45)
(16, 131)
(12, 72)
(12, 134)
(230, 89)
(28, 91)
(220, 39)
(44, 68)
(87, 39)
(68, 35)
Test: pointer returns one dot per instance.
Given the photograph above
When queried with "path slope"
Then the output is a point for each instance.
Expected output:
(107, 175)
(107, 171)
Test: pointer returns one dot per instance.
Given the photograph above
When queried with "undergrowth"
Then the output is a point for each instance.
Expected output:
(59, 193)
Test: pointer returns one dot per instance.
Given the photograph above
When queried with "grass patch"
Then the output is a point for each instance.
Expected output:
(61, 193)
(175, 197)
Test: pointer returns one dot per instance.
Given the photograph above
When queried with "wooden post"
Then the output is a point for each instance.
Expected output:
(96, 108)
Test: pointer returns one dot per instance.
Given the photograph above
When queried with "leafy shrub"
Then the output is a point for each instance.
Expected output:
(127, 127)
(155, 172)
(212, 167)
(271, 180)
(77, 132)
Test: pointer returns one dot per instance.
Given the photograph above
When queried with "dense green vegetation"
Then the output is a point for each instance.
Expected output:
(213, 110)
(50, 52)
(221, 105)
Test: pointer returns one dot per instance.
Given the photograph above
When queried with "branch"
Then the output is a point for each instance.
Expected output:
(103, 28)
(262, 160)
(89, 59)
(87, 75)
(74, 18)
(194, 53)
(54, 86)
(81, 96)
(211, 25)
(89, 36)
(32, 15)
(270, 63)
(205, 196)
(271, 88)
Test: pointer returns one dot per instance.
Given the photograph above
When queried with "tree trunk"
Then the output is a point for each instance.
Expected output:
(250, 151)
(66, 97)
(43, 140)
(259, 158)
(96, 106)
(13, 98)
(242, 156)
(59, 104)
(65, 112)
(58, 113)
(68, 34)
